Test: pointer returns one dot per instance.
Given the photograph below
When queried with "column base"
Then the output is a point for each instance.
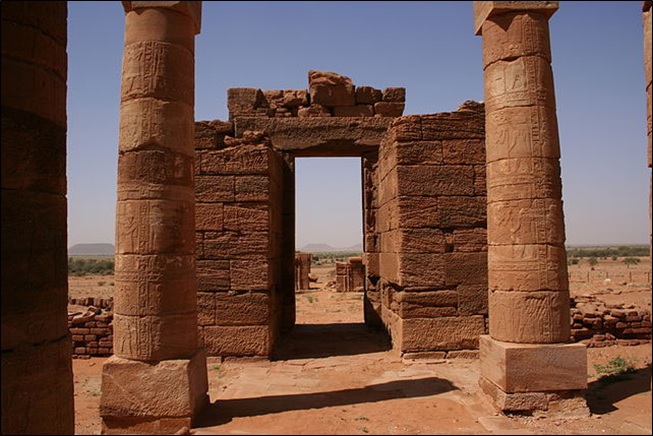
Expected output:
(152, 397)
(525, 378)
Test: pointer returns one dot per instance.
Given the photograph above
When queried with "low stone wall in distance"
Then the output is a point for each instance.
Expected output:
(593, 323)
(90, 326)
(598, 324)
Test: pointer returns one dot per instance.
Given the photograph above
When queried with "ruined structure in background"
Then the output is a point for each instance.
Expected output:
(424, 265)
(302, 270)
(350, 275)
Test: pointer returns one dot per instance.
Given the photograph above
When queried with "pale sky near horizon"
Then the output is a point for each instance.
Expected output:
(427, 47)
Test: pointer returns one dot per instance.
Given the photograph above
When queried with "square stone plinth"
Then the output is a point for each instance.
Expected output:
(516, 367)
(485, 9)
(152, 397)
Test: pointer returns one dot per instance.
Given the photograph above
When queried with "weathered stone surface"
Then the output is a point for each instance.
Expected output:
(320, 136)
(485, 11)
(445, 333)
(360, 110)
(330, 89)
(533, 367)
(154, 338)
(237, 340)
(243, 159)
(520, 82)
(530, 221)
(37, 382)
(465, 268)
(435, 180)
(389, 109)
(527, 268)
(529, 317)
(472, 299)
(524, 178)
(510, 134)
(213, 275)
(249, 308)
(128, 387)
(394, 94)
(368, 95)
(243, 101)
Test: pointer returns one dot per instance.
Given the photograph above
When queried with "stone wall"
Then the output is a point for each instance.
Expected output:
(239, 233)
(431, 222)
(90, 322)
(302, 270)
(350, 275)
(598, 324)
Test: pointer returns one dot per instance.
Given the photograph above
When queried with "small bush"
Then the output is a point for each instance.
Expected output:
(616, 369)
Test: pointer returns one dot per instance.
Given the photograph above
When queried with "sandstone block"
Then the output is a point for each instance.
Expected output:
(213, 275)
(128, 387)
(368, 95)
(445, 333)
(330, 89)
(249, 308)
(237, 340)
(515, 367)
(209, 216)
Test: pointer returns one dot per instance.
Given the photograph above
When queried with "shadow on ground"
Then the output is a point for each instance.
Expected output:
(604, 393)
(308, 341)
(223, 411)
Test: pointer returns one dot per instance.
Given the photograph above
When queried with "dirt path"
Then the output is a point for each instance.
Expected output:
(334, 376)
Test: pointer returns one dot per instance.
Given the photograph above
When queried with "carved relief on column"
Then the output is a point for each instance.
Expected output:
(527, 270)
(155, 302)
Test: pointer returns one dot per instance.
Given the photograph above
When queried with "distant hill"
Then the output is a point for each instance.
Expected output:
(92, 250)
(326, 248)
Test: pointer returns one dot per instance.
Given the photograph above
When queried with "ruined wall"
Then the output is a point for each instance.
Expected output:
(302, 270)
(350, 275)
(90, 322)
(239, 232)
(431, 224)
(598, 324)
(328, 95)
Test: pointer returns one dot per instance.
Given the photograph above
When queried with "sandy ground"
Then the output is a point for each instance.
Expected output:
(332, 375)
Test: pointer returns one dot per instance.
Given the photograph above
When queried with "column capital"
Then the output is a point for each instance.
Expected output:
(486, 9)
(191, 8)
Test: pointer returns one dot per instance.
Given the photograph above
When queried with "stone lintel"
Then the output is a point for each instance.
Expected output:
(486, 9)
(152, 397)
(191, 8)
(319, 136)
(533, 368)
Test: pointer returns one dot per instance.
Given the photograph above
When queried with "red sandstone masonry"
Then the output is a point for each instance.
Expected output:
(238, 229)
(432, 231)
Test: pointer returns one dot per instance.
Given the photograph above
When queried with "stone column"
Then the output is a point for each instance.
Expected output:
(527, 362)
(646, 25)
(156, 382)
(37, 378)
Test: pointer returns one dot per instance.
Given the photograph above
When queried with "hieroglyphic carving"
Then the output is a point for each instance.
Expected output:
(527, 270)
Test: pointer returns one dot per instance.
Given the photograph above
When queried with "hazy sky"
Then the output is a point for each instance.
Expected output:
(427, 47)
